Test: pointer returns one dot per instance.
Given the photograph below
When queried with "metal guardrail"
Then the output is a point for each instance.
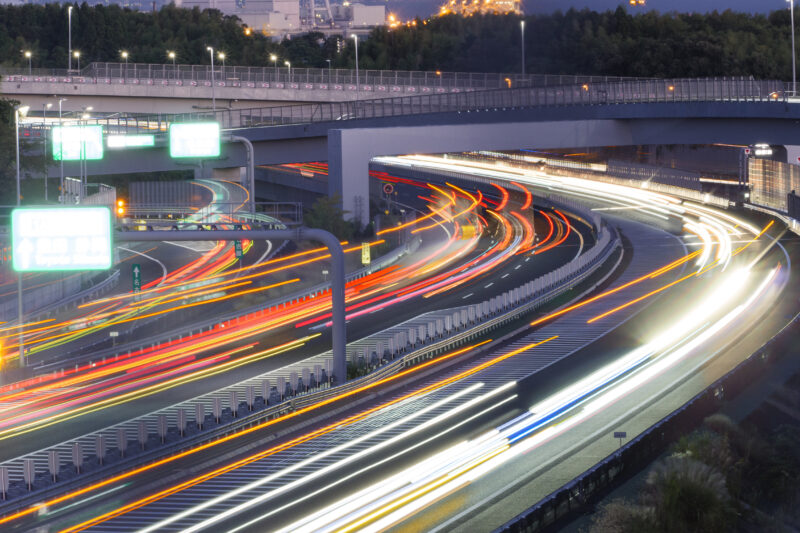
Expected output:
(390, 81)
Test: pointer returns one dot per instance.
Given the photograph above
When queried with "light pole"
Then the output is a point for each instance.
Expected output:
(794, 58)
(522, 43)
(289, 66)
(358, 85)
(329, 69)
(19, 110)
(124, 55)
(274, 59)
(213, 97)
(45, 107)
(221, 57)
(69, 30)
(77, 55)
(61, 149)
(29, 55)
(171, 55)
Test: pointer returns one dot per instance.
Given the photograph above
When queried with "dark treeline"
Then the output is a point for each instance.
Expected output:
(101, 33)
(574, 42)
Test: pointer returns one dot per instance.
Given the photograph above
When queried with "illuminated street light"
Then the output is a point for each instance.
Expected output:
(69, 46)
(29, 55)
(19, 111)
(171, 55)
(213, 97)
(289, 66)
(77, 55)
(522, 43)
(358, 86)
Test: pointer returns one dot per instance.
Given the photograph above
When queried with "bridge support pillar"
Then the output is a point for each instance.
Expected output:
(348, 172)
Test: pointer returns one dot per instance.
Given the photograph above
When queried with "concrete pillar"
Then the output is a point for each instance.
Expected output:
(348, 173)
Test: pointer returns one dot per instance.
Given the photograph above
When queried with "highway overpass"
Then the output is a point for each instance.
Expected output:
(349, 134)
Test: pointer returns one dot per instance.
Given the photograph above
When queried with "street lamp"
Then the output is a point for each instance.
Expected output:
(213, 97)
(77, 55)
(522, 43)
(289, 66)
(221, 57)
(45, 107)
(171, 55)
(358, 85)
(19, 110)
(274, 59)
(329, 69)
(60, 149)
(29, 55)
(794, 58)
(69, 30)
(124, 55)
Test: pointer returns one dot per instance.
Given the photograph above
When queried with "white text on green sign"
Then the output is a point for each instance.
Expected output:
(194, 139)
(130, 141)
(74, 143)
(61, 238)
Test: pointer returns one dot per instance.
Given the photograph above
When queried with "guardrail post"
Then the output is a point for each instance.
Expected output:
(162, 427)
(142, 429)
(122, 441)
(199, 415)
(77, 456)
(181, 421)
(217, 409)
(28, 472)
(53, 463)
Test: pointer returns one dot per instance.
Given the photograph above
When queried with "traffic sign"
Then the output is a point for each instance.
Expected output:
(61, 238)
(237, 246)
(137, 277)
(366, 256)
(388, 188)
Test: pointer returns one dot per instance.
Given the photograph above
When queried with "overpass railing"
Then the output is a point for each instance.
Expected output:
(369, 81)
(600, 93)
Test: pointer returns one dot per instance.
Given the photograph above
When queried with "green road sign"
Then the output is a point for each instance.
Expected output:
(61, 238)
(237, 246)
(137, 278)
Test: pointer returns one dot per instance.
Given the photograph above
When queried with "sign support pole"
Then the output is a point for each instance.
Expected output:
(339, 333)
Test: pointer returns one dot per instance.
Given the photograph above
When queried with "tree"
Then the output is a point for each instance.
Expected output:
(327, 214)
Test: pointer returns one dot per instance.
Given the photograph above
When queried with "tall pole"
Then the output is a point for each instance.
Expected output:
(69, 30)
(522, 27)
(61, 149)
(794, 58)
(44, 119)
(19, 274)
(358, 85)
(213, 96)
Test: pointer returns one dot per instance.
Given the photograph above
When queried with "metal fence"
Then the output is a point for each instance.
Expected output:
(601, 93)
(279, 76)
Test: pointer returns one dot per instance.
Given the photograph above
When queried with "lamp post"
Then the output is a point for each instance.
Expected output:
(29, 55)
(289, 67)
(329, 69)
(213, 97)
(274, 59)
(794, 58)
(358, 85)
(45, 107)
(171, 55)
(522, 43)
(221, 57)
(77, 55)
(124, 55)
(61, 149)
(19, 110)
(69, 32)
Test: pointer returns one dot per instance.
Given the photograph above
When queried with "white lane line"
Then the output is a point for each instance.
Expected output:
(517, 267)
(489, 285)
(151, 258)
(467, 296)
(504, 276)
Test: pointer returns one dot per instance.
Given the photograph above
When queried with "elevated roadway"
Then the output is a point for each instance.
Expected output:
(349, 134)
